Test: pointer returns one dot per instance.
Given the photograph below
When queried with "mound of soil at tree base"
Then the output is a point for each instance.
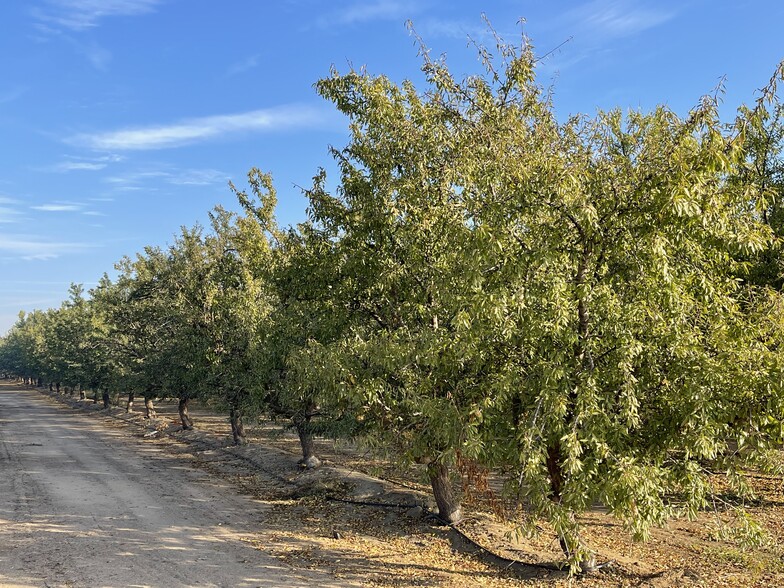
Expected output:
(370, 521)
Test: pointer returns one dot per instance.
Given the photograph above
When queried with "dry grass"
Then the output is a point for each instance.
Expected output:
(372, 546)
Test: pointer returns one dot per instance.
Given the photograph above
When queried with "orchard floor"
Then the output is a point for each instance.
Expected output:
(330, 521)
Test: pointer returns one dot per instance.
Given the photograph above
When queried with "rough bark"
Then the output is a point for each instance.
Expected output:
(131, 397)
(306, 441)
(554, 471)
(449, 509)
(306, 438)
(185, 419)
(237, 426)
(149, 408)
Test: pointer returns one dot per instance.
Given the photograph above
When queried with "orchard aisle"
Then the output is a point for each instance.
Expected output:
(86, 505)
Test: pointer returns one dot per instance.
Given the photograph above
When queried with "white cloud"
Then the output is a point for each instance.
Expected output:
(133, 189)
(58, 207)
(452, 29)
(134, 178)
(31, 248)
(27, 302)
(246, 64)
(199, 129)
(198, 177)
(176, 177)
(82, 163)
(619, 17)
(8, 215)
(67, 166)
(360, 12)
(81, 15)
(591, 31)
(98, 56)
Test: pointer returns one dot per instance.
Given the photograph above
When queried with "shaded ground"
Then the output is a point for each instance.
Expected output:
(303, 523)
(86, 505)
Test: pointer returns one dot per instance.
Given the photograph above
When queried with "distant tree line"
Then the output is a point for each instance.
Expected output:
(591, 308)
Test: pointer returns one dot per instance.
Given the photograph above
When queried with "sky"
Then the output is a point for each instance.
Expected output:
(123, 120)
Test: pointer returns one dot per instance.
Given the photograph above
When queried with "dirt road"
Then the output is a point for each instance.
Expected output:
(82, 504)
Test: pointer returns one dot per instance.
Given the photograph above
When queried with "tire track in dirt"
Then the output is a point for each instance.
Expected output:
(83, 505)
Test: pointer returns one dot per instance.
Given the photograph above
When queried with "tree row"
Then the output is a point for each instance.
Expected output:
(588, 307)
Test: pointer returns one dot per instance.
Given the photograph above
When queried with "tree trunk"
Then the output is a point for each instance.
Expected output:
(57, 387)
(81, 393)
(95, 396)
(306, 439)
(106, 398)
(449, 509)
(149, 408)
(554, 471)
(572, 544)
(129, 406)
(51, 386)
(237, 426)
(187, 423)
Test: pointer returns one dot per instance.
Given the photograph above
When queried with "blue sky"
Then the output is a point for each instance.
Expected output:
(123, 120)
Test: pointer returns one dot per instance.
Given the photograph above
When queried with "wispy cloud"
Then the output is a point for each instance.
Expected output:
(82, 164)
(68, 166)
(135, 178)
(8, 215)
(28, 302)
(81, 15)
(98, 56)
(199, 129)
(451, 29)
(33, 248)
(58, 207)
(179, 177)
(361, 12)
(198, 177)
(246, 64)
(433, 28)
(619, 17)
(592, 31)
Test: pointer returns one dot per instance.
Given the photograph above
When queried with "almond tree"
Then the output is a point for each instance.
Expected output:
(631, 348)
(233, 306)
(66, 337)
(409, 261)
(295, 268)
(558, 299)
